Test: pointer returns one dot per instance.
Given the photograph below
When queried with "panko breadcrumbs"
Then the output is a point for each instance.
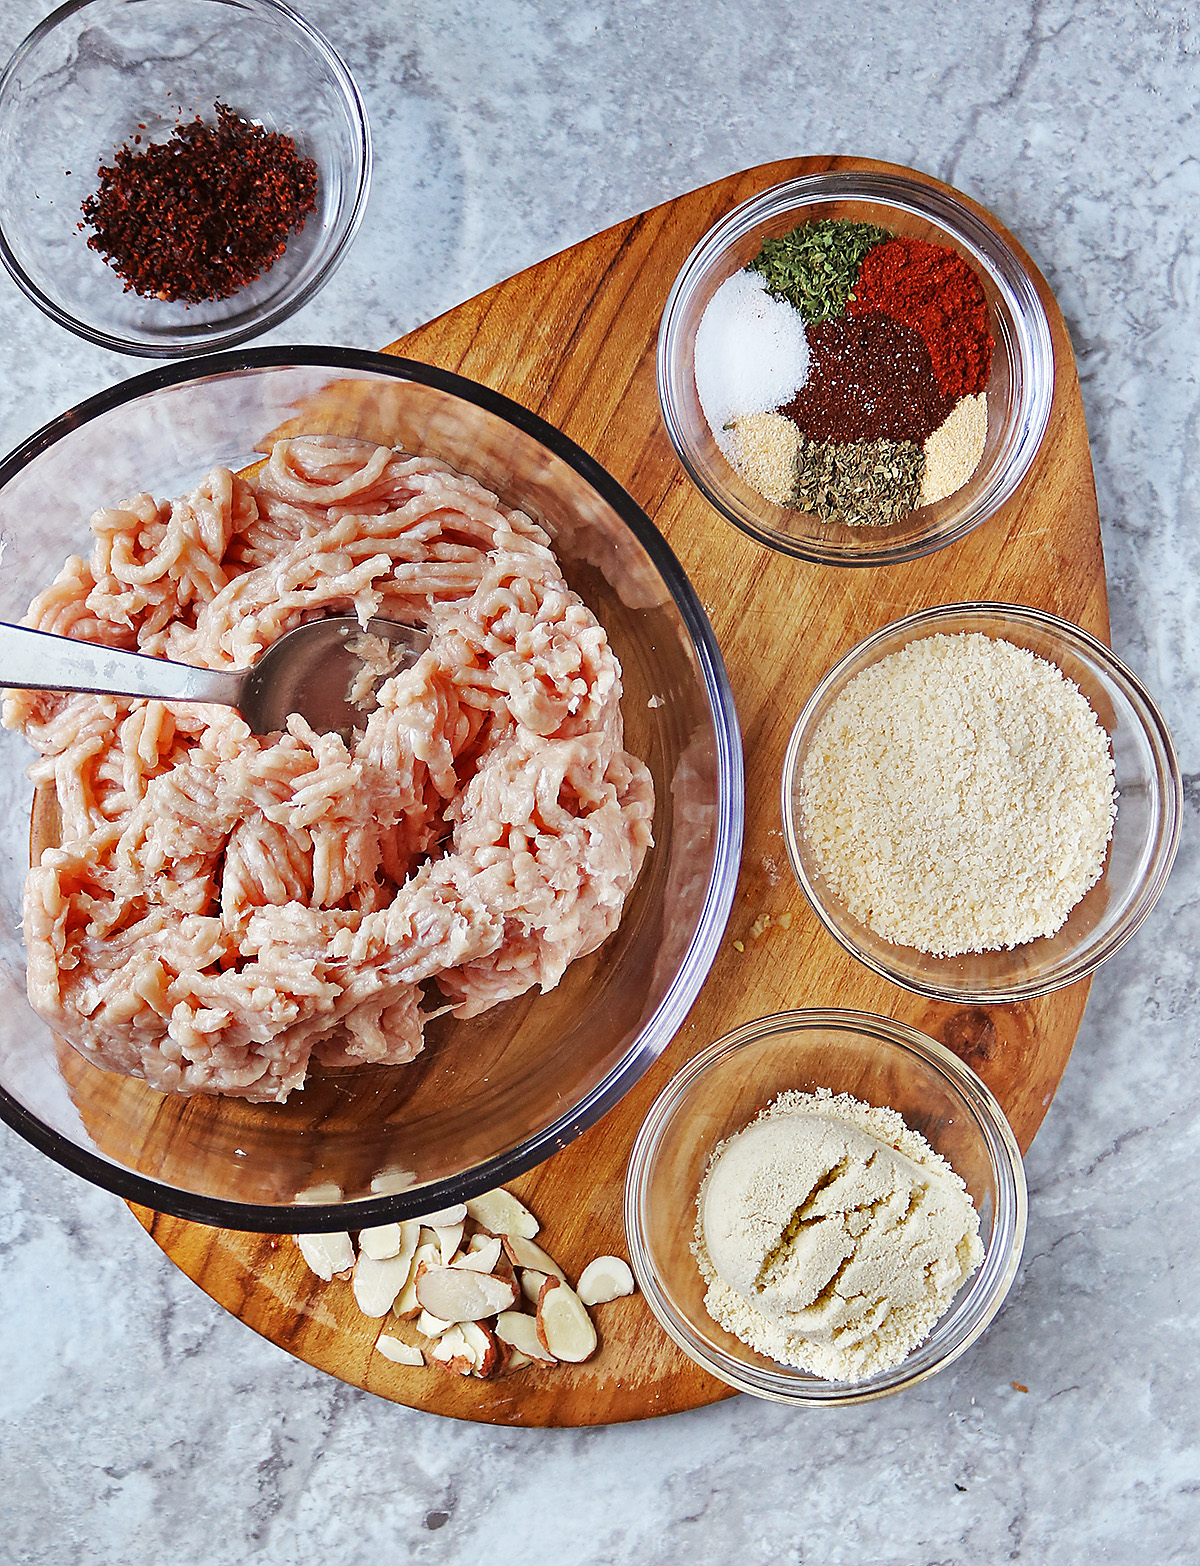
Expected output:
(959, 795)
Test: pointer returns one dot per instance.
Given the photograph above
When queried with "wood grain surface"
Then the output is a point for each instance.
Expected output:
(574, 339)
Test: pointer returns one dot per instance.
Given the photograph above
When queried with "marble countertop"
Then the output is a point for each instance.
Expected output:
(139, 1423)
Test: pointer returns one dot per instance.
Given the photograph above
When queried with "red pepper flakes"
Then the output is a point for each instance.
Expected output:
(933, 290)
(204, 213)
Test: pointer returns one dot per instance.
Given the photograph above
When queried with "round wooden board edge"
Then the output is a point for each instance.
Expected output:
(235, 1261)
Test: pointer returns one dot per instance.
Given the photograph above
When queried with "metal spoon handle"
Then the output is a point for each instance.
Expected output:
(39, 661)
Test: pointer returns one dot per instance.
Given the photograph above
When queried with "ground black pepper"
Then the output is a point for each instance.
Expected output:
(870, 378)
(206, 212)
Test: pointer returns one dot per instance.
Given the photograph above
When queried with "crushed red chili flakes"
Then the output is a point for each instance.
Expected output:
(204, 213)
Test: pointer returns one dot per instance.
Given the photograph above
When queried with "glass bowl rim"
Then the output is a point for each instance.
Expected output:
(694, 966)
(218, 337)
(990, 1284)
(957, 215)
(1090, 648)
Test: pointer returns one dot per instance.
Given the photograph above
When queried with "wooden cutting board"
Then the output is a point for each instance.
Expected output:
(574, 339)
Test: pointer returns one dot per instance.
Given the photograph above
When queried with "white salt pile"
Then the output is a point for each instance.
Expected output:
(751, 354)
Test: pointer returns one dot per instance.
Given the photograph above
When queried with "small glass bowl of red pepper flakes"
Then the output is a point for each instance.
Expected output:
(179, 175)
(923, 380)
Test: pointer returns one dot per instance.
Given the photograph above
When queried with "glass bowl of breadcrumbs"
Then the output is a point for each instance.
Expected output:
(784, 325)
(981, 802)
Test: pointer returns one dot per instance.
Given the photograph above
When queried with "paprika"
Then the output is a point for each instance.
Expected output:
(933, 290)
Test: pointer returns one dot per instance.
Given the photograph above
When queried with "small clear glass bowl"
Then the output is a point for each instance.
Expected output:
(95, 74)
(1019, 390)
(1145, 833)
(720, 1091)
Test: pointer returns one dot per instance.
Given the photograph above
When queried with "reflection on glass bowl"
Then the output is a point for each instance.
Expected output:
(489, 1097)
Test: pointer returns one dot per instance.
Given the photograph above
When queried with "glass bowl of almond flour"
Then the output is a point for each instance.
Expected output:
(830, 1057)
(981, 802)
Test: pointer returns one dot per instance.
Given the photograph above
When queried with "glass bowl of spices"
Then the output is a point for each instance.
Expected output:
(829, 1114)
(177, 175)
(855, 368)
(981, 802)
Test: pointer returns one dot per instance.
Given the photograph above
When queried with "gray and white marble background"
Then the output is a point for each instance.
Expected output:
(139, 1423)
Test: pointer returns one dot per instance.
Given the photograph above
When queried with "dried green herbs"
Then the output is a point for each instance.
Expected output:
(862, 483)
(815, 266)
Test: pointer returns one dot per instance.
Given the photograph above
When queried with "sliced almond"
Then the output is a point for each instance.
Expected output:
(378, 1283)
(381, 1242)
(606, 1278)
(444, 1217)
(431, 1326)
(398, 1351)
(449, 1239)
(458, 1294)
(484, 1345)
(524, 1253)
(326, 1254)
(531, 1283)
(388, 1182)
(410, 1238)
(500, 1213)
(453, 1351)
(515, 1327)
(481, 1258)
(515, 1361)
(563, 1325)
(425, 1256)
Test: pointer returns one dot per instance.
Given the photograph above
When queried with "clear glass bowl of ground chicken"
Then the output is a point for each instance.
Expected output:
(855, 368)
(178, 175)
(948, 799)
(815, 1062)
(367, 1137)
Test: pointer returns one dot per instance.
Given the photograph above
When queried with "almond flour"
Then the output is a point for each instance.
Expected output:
(831, 1236)
(959, 796)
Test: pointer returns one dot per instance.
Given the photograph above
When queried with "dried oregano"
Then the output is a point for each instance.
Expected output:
(862, 483)
(815, 266)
